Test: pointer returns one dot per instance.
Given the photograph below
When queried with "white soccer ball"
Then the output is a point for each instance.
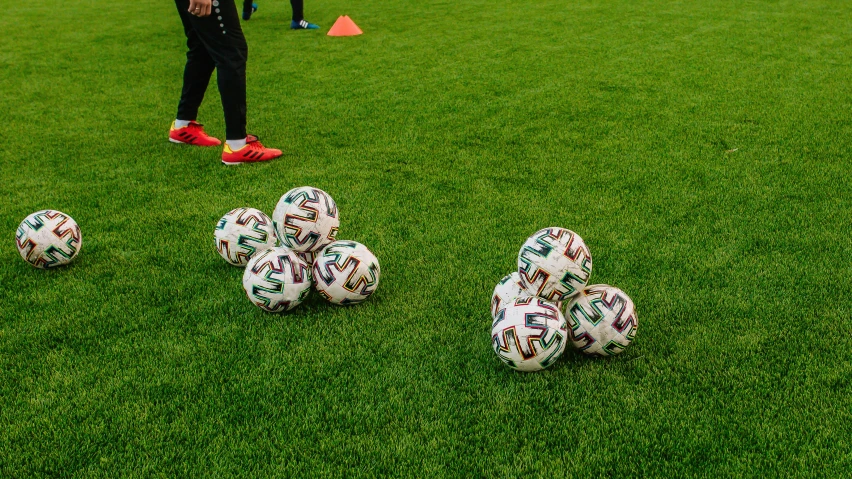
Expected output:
(554, 264)
(306, 219)
(307, 256)
(346, 272)
(277, 280)
(241, 233)
(529, 334)
(601, 320)
(507, 290)
(48, 238)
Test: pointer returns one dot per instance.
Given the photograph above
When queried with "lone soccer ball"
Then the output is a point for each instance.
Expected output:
(241, 233)
(306, 219)
(554, 264)
(277, 280)
(346, 272)
(529, 334)
(602, 320)
(507, 291)
(48, 238)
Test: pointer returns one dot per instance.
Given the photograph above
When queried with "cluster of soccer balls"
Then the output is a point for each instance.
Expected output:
(294, 250)
(547, 302)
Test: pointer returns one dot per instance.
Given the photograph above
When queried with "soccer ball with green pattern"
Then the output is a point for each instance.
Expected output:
(601, 320)
(48, 238)
(554, 264)
(241, 233)
(308, 257)
(306, 219)
(529, 334)
(507, 290)
(276, 280)
(346, 272)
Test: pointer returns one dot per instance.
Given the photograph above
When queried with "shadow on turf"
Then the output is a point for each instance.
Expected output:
(574, 361)
(26, 270)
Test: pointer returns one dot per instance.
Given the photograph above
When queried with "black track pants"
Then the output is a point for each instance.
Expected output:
(298, 10)
(215, 42)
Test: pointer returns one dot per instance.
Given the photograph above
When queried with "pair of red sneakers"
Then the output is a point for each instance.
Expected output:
(252, 152)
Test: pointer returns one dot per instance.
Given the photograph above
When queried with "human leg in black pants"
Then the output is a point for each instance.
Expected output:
(299, 22)
(249, 7)
(215, 41)
(298, 10)
(196, 75)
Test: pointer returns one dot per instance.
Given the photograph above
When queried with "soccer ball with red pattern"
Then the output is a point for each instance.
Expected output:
(554, 264)
(507, 291)
(346, 272)
(306, 219)
(601, 320)
(529, 334)
(48, 238)
(276, 280)
(241, 233)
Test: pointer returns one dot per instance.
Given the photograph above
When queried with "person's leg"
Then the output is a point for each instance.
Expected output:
(249, 7)
(196, 77)
(299, 22)
(298, 10)
(223, 39)
(199, 68)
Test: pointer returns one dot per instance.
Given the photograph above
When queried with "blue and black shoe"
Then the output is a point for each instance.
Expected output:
(248, 9)
(303, 25)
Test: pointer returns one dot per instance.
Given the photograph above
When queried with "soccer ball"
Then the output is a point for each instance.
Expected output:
(241, 233)
(308, 257)
(48, 238)
(529, 334)
(277, 280)
(554, 264)
(346, 272)
(507, 290)
(306, 219)
(602, 320)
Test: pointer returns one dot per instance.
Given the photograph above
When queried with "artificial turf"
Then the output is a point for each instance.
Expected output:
(702, 150)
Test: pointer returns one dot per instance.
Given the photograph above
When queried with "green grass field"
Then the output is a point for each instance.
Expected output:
(702, 149)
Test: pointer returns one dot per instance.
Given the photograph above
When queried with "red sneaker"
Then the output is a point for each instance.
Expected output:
(192, 134)
(253, 152)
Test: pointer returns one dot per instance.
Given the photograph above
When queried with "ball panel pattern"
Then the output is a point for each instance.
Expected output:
(529, 334)
(602, 320)
(306, 219)
(307, 256)
(48, 238)
(241, 233)
(554, 264)
(277, 280)
(507, 290)
(346, 272)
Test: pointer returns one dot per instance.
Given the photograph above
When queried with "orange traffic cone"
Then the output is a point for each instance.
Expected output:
(344, 27)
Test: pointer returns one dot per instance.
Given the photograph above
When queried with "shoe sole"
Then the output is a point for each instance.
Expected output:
(178, 142)
(235, 163)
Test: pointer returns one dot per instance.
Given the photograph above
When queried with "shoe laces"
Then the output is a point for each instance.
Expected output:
(253, 142)
(195, 126)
